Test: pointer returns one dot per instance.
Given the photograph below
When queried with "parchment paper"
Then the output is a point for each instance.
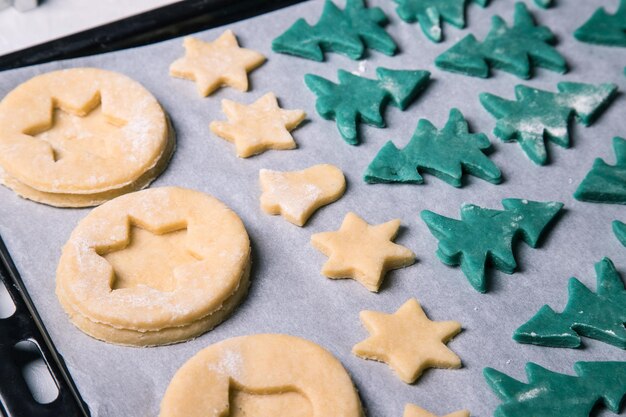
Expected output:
(288, 294)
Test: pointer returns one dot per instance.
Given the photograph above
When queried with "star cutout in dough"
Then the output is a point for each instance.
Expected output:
(412, 410)
(408, 341)
(259, 126)
(215, 64)
(362, 252)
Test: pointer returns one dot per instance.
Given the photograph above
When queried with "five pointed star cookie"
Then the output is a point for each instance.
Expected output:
(362, 252)
(408, 341)
(412, 410)
(259, 126)
(215, 64)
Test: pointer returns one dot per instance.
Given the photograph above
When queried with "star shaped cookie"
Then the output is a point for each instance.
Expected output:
(362, 252)
(408, 341)
(215, 64)
(259, 126)
(412, 410)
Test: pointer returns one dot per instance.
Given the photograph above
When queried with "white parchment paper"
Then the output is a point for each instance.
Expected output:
(288, 294)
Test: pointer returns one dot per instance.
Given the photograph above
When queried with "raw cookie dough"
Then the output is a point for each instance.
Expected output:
(259, 126)
(515, 50)
(359, 99)
(262, 375)
(349, 32)
(599, 315)
(154, 267)
(216, 64)
(296, 195)
(619, 229)
(430, 13)
(537, 115)
(606, 183)
(362, 252)
(444, 153)
(486, 235)
(408, 341)
(549, 394)
(412, 410)
(603, 28)
(88, 135)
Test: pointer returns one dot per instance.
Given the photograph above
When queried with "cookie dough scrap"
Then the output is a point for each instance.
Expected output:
(258, 127)
(297, 195)
(349, 32)
(154, 267)
(79, 137)
(549, 393)
(606, 183)
(216, 64)
(604, 28)
(599, 315)
(412, 410)
(408, 341)
(262, 375)
(515, 49)
(362, 252)
(619, 229)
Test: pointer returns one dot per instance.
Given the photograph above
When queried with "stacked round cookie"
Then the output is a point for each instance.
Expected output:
(154, 267)
(79, 137)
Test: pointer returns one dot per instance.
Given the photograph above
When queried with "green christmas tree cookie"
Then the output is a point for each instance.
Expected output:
(444, 153)
(359, 99)
(606, 183)
(348, 31)
(513, 49)
(604, 28)
(599, 315)
(619, 229)
(550, 394)
(536, 115)
(487, 235)
(430, 13)
(544, 3)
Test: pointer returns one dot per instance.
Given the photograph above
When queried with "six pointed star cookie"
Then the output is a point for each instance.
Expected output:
(408, 341)
(215, 64)
(412, 410)
(259, 126)
(362, 252)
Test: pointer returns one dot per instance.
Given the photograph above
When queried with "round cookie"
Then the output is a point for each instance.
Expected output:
(263, 374)
(154, 267)
(76, 137)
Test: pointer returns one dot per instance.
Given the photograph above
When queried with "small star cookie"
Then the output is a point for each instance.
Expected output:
(259, 126)
(362, 252)
(297, 194)
(408, 341)
(216, 64)
(412, 410)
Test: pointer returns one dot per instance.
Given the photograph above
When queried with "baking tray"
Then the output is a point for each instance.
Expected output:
(288, 294)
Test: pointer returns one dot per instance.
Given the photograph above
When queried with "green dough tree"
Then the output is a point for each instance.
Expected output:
(444, 153)
(513, 49)
(604, 28)
(599, 315)
(484, 235)
(430, 13)
(537, 115)
(544, 3)
(550, 394)
(606, 183)
(347, 31)
(619, 229)
(357, 99)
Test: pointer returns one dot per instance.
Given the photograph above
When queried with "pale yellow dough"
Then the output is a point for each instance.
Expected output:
(412, 410)
(77, 137)
(263, 375)
(362, 252)
(215, 64)
(297, 194)
(154, 267)
(259, 126)
(408, 341)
